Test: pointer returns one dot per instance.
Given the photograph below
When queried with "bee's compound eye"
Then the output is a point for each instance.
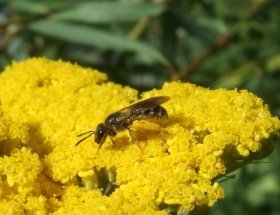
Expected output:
(100, 133)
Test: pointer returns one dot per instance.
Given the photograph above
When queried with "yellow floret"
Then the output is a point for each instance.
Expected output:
(20, 169)
(13, 134)
(36, 205)
(165, 164)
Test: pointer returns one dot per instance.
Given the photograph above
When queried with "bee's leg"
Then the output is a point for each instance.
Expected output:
(112, 141)
(134, 138)
(98, 150)
(131, 134)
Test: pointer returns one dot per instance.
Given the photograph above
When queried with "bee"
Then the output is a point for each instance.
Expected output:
(120, 120)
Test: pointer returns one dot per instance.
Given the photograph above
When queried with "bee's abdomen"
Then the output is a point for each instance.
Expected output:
(157, 112)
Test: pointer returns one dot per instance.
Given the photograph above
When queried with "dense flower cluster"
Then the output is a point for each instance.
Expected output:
(169, 165)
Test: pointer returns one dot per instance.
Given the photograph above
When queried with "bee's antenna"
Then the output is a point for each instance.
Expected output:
(86, 133)
(91, 133)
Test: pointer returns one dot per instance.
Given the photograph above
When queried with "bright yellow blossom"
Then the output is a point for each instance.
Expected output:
(174, 164)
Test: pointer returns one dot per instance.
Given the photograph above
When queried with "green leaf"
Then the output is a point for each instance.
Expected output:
(273, 63)
(238, 76)
(94, 37)
(194, 27)
(31, 7)
(109, 12)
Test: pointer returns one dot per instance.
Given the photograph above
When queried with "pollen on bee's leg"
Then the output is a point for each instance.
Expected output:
(146, 125)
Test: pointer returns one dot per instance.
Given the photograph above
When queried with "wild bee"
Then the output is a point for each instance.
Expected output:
(120, 120)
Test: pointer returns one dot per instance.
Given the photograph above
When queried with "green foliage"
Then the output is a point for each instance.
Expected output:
(109, 12)
(143, 43)
(94, 37)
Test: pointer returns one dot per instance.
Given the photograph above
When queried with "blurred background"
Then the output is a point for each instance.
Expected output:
(230, 44)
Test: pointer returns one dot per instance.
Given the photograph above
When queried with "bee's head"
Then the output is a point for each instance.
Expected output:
(100, 133)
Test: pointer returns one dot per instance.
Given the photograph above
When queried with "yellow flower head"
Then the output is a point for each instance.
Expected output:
(163, 165)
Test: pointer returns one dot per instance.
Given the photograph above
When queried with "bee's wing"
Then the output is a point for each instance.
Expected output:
(149, 103)
(142, 105)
